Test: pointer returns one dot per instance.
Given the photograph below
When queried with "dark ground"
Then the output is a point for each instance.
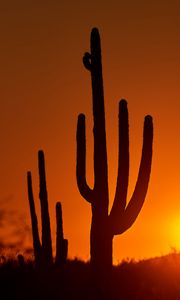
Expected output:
(156, 278)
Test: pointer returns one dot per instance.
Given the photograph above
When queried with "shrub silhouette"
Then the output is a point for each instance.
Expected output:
(21, 260)
(104, 225)
(43, 252)
(152, 279)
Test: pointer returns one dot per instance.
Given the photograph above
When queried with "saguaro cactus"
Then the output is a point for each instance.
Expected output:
(43, 252)
(106, 225)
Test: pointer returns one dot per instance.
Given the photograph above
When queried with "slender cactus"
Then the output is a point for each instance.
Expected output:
(46, 230)
(34, 222)
(43, 251)
(106, 225)
(61, 243)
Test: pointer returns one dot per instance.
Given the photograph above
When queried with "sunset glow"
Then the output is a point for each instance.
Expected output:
(174, 233)
(44, 87)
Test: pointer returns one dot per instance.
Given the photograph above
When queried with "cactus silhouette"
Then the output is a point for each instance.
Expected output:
(105, 225)
(43, 251)
(61, 243)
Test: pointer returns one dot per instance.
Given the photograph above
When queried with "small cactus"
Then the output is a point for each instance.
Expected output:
(43, 251)
(61, 243)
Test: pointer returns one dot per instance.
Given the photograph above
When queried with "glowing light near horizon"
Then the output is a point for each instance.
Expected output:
(174, 233)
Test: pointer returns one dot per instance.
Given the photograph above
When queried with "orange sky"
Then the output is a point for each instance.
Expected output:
(44, 86)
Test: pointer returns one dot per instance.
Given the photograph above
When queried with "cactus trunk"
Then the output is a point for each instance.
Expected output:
(100, 247)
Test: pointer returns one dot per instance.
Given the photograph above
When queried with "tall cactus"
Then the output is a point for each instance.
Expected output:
(106, 225)
(43, 251)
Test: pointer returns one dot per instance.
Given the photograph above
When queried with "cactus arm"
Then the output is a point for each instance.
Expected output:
(123, 166)
(46, 231)
(34, 222)
(87, 61)
(84, 189)
(135, 204)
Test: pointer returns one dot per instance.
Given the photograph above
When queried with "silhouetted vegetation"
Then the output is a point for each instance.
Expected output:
(49, 278)
(43, 252)
(152, 279)
(121, 217)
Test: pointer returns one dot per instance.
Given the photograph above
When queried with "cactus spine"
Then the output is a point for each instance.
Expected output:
(104, 225)
(43, 251)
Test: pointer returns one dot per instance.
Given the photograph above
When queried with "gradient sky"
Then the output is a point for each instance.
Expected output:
(44, 86)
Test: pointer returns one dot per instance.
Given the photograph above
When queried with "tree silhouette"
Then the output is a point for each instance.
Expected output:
(43, 252)
(105, 225)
